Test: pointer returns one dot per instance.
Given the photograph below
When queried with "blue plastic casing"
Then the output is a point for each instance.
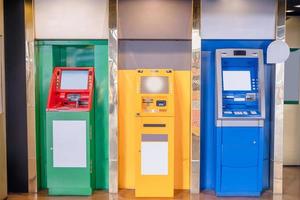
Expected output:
(239, 161)
(231, 164)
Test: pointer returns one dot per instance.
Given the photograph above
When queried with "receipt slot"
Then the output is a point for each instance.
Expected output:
(240, 121)
(155, 138)
(69, 132)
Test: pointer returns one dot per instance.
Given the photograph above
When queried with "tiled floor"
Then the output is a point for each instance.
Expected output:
(291, 192)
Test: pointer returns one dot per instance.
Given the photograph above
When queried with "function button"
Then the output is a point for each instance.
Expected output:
(161, 103)
(253, 112)
(238, 113)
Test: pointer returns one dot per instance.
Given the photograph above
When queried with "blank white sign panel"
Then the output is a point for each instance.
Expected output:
(71, 19)
(74, 80)
(238, 19)
(69, 143)
(154, 158)
(236, 80)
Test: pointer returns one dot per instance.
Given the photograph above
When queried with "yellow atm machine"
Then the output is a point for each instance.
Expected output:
(155, 127)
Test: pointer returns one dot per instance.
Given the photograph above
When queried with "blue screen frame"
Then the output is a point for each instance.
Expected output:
(229, 105)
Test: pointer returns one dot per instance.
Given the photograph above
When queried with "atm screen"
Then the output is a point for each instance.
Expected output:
(154, 85)
(74, 80)
(236, 81)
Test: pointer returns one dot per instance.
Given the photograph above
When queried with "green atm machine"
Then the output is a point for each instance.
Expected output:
(72, 54)
(69, 131)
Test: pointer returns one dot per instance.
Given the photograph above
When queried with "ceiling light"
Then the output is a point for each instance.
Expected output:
(297, 6)
(290, 11)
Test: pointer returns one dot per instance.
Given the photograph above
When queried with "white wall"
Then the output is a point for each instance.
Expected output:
(292, 76)
(292, 112)
(291, 152)
(293, 31)
(71, 19)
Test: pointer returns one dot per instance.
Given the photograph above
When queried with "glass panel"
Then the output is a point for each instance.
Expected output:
(237, 80)
(74, 80)
(73, 56)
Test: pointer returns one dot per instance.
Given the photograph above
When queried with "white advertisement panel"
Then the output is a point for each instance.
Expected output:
(71, 19)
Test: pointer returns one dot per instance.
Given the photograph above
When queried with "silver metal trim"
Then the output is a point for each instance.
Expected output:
(30, 94)
(276, 177)
(195, 100)
(229, 53)
(113, 96)
(240, 123)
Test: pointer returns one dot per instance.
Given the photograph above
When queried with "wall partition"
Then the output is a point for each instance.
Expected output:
(15, 85)
(3, 170)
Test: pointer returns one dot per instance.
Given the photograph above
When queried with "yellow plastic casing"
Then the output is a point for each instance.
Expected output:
(128, 135)
(155, 121)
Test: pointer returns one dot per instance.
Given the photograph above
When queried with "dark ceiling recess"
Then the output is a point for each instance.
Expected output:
(293, 8)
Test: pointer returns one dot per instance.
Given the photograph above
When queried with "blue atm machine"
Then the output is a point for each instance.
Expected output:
(240, 119)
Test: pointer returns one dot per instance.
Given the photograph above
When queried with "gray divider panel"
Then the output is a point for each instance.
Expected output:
(156, 19)
(135, 54)
(154, 137)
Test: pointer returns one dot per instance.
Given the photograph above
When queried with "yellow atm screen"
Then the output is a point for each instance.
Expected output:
(154, 85)
(155, 92)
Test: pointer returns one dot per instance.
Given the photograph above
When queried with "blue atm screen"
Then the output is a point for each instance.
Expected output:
(240, 87)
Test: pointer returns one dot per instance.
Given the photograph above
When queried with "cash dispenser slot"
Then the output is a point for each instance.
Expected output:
(154, 125)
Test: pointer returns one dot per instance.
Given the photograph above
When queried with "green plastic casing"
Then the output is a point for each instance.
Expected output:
(67, 180)
(73, 53)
